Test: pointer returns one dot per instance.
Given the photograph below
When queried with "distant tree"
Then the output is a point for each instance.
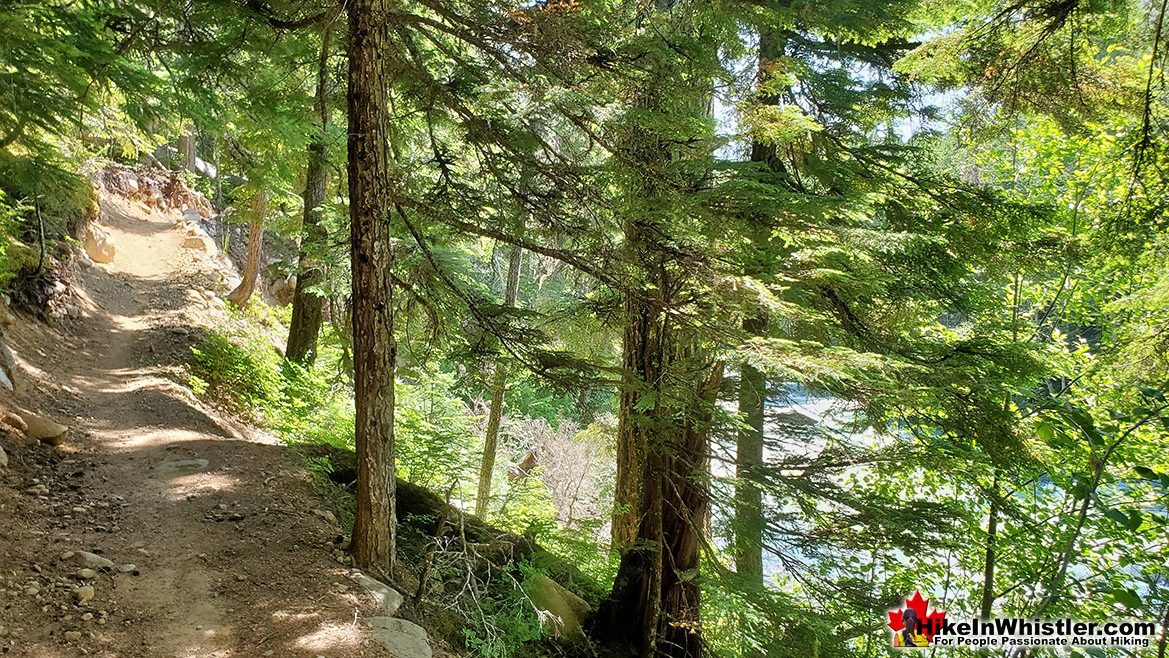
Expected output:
(307, 303)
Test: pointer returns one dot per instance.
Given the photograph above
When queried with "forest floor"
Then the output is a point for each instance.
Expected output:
(226, 549)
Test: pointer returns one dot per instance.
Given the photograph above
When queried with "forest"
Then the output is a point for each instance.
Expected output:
(655, 328)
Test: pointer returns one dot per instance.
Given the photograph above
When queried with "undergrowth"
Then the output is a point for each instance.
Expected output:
(239, 368)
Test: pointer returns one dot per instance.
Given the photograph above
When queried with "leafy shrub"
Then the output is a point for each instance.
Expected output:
(433, 438)
(65, 200)
(10, 214)
(240, 371)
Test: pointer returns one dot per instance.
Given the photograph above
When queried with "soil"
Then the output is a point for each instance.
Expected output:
(229, 558)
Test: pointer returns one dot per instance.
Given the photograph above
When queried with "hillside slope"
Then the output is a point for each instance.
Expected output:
(228, 556)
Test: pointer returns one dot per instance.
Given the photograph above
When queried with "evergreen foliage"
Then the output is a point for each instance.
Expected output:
(820, 304)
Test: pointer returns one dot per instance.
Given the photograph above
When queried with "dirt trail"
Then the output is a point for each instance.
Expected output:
(230, 559)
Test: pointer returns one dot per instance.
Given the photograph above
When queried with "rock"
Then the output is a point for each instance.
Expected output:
(402, 638)
(87, 616)
(92, 560)
(15, 421)
(32, 590)
(3, 458)
(283, 290)
(326, 515)
(83, 594)
(562, 612)
(387, 599)
(127, 568)
(200, 243)
(86, 574)
(37, 490)
(84, 261)
(72, 636)
(44, 429)
(99, 244)
(7, 366)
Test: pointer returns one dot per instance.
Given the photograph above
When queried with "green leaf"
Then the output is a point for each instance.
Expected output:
(1118, 516)
(1127, 598)
(1146, 472)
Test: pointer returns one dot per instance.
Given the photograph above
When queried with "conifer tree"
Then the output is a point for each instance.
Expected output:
(372, 262)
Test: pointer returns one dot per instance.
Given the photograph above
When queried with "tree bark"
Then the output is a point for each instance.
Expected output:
(640, 363)
(665, 403)
(247, 285)
(307, 305)
(748, 460)
(187, 149)
(498, 384)
(372, 260)
(988, 566)
(749, 522)
(655, 604)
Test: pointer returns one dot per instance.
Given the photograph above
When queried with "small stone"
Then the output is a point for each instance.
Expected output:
(385, 597)
(32, 590)
(241, 578)
(326, 515)
(87, 616)
(200, 243)
(79, 510)
(99, 244)
(45, 430)
(86, 574)
(72, 636)
(127, 568)
(3, 458)
(93, 561)
(15, 421)
(83, 594)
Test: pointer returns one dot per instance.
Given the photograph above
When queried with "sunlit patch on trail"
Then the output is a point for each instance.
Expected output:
(331, 636)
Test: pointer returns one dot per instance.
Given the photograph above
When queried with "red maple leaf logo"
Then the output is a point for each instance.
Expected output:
(931, 621)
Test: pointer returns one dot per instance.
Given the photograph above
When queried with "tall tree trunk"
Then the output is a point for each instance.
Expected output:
(666, 400)
(247, 285)
(638, 362)
(307, 305)
(498, 384)
(748, 461)
(748, 507)
(187, 149)
(655, 603)
(988, 567)
(372, 261)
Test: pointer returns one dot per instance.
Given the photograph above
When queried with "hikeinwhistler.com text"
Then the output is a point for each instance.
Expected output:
(1017, 632)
